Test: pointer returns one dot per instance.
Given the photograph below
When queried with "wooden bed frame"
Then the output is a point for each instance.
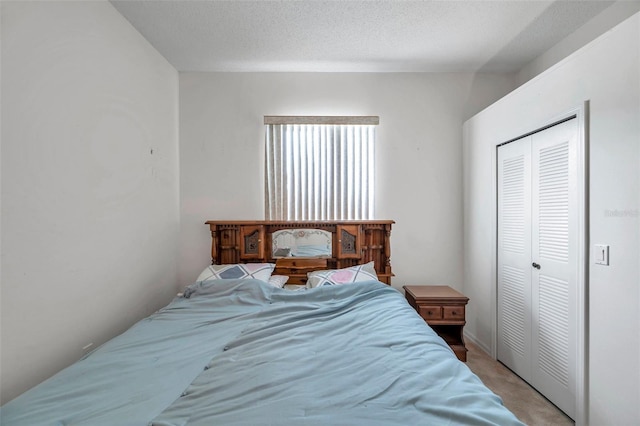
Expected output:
(353, 243)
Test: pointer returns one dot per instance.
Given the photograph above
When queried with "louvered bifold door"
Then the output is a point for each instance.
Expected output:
(514, 254)
(555, 250)
(538, 261)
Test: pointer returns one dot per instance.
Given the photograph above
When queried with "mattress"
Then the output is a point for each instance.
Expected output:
(242, 352)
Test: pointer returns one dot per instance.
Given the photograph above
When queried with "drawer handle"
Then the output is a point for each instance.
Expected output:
(454, 313)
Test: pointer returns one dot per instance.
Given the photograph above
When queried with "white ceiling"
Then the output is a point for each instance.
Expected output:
(370, 36)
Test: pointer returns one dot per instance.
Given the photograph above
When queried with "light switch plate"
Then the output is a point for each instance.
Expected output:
(601, 253)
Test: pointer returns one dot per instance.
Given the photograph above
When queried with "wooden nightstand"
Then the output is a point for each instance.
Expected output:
(443, 309)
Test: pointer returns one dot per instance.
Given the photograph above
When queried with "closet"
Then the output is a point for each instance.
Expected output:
(538, 260)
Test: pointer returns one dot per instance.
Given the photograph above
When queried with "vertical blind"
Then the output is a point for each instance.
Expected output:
(319, 171)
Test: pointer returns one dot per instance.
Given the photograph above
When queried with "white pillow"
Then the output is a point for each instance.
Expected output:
(278, 280)
(259, 271)
(350, 275)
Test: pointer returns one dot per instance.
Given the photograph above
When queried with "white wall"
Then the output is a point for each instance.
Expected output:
(607, 73)
(419, 143)
(90, 216)
(610, 17)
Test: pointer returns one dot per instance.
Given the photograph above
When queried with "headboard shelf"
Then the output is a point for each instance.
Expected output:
(353, 242)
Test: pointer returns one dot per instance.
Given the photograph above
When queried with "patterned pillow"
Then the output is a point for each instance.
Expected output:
(259, 271)
(278, 280)
(350, 275)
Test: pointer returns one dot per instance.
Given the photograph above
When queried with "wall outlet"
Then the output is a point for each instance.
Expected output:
(87, 348)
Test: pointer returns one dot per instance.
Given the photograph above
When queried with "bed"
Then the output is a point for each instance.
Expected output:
(242, 351)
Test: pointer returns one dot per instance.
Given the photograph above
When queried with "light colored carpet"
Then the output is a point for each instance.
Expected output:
(523, 401)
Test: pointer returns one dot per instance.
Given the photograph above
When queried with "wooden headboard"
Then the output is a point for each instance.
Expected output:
(353, 243)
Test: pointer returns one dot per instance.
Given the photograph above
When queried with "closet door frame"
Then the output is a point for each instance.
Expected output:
(581, 114)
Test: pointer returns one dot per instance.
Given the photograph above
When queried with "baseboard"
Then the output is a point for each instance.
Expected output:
(478, 343)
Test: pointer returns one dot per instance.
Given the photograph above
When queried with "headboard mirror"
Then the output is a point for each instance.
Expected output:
(301, 243)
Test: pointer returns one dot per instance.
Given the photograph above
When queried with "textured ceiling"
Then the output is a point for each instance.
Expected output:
(371, 36)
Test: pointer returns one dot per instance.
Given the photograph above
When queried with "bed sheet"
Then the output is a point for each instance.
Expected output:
(241, 352)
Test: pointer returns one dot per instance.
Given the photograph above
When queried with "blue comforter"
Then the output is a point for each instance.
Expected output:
(241, 352)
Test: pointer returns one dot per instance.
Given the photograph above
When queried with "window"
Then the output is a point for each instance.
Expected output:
(319, 168)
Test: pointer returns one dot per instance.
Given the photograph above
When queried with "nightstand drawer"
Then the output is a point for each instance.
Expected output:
(453, 313)
(430, 312)
(443, 308)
